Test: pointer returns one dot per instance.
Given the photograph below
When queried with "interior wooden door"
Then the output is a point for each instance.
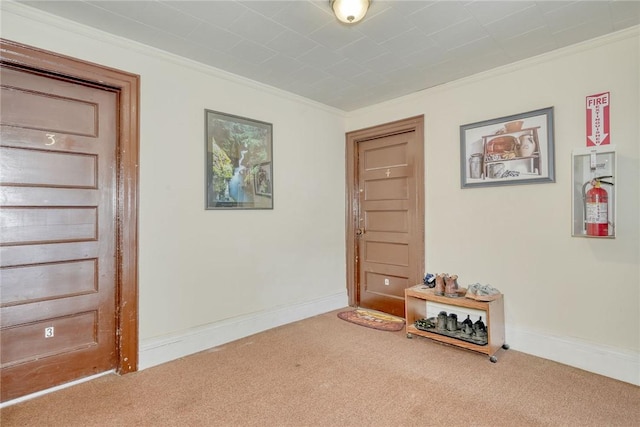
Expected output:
(58, 182)
(387, 214)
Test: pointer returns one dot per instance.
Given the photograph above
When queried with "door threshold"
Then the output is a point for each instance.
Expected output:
(56, 388)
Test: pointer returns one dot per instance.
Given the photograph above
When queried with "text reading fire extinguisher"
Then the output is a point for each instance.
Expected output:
(596, 210)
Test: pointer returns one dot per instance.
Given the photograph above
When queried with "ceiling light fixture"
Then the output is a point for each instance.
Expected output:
(350, 11)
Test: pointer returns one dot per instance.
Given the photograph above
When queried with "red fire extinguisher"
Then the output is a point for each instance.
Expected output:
(596, 208)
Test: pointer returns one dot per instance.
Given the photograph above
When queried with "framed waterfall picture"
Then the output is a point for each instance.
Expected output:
(239, 164)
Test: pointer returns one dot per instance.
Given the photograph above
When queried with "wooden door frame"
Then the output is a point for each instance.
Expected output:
(127, 86)
(415, 124)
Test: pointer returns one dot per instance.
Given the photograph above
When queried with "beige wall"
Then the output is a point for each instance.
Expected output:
(208, 277)
(199, 267)
(559, 290)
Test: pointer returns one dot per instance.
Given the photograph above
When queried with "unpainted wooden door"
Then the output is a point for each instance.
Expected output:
(58, 173)
(388, 215)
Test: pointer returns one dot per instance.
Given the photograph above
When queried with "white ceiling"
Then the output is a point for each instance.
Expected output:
(399, 48)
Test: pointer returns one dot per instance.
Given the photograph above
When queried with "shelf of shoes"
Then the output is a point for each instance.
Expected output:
(418, 297)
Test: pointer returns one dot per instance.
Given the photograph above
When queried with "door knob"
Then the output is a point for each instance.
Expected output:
(359, 231)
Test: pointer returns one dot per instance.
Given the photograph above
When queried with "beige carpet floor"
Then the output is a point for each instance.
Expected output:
(324, 371)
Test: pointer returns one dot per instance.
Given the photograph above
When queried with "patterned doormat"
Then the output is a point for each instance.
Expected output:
(373, 319)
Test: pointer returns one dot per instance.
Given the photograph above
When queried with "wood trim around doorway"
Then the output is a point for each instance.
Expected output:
(128, 88)
(412, 124)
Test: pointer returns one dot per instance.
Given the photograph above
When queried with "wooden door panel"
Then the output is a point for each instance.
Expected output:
(14, 315)
(394, 221)
(36, 225)
(386, 189)
(387, 270)
(392, 155)
(387, 238)
(37, 196)
(386, 205)
(73, 112)
(67, 333)
(387, 284)
(58, 231)
(23, 166)
(11, 256)
(32, 283)
(386, 253)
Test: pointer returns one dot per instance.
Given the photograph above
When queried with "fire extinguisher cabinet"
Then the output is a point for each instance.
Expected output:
(594, 192)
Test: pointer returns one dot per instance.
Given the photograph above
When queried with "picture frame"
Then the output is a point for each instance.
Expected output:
(238, 152)
(511, 150)
(262, 179)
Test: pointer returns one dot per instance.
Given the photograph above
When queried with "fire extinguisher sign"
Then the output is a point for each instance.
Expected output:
(598, 120)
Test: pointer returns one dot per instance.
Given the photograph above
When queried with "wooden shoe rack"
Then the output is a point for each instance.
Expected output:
(417, 298)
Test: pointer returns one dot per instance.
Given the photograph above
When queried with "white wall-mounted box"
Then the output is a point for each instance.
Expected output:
(594, 215)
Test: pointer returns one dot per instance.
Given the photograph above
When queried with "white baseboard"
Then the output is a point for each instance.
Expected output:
(156, 351)
(623, 365)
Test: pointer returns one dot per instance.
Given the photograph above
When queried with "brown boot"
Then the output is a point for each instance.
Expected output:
(451, 288)
(439, 288)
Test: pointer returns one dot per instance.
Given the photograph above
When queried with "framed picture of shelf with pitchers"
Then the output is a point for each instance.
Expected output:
(510, 150)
